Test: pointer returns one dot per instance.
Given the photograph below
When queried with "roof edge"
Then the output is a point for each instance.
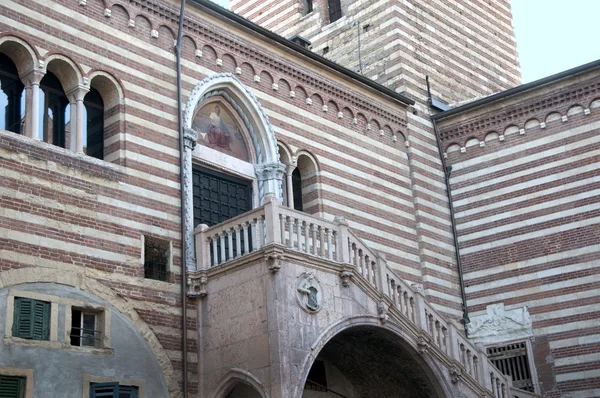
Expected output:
(519, 89)
(296, 48)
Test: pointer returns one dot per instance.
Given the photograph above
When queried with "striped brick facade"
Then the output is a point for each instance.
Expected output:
(524, 183)
(66, 213)
(467, 48)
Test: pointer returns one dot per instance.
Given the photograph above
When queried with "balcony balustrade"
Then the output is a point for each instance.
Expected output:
(273, 225)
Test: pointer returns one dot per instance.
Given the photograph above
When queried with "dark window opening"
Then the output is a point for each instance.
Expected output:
(219, 197)
(12, 97)
(156, 258)
(512, 360)
(55, 111)
(317, 378)
(94, 134)
(309, 6)
(31, 319)
(112, 390)
(297, 189)
(366, 28)
(325, 50)
(12, 387)
(83, 329)
(335, 10)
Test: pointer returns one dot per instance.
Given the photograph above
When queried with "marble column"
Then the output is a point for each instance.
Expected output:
(289, 169)
(31, 81)
(76, 96)
(189, 143)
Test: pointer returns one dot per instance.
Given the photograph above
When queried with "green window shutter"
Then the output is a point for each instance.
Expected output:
(31, 319)
(12, 387)
(104, 390)
(41, 320)
(128, 392)
(23, 318)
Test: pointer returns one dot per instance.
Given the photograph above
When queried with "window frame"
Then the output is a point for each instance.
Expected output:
(103, 322)
(530, 359)
(27, 374)
(88, 379)
(169, 260)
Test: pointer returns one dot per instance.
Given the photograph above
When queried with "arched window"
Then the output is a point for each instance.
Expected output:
(54, 111)
(335, 10)
(93, 135)
(297, 189)
(12, 96)
(308, 7)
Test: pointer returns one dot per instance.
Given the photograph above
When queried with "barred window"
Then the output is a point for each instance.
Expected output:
(335, 10)
(156, 258)
(512, 360)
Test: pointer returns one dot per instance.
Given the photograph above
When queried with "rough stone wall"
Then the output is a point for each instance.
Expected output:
(525, 189)
(73, 211)
(467, 48)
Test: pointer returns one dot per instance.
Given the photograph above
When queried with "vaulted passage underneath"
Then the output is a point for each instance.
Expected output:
(365, 361)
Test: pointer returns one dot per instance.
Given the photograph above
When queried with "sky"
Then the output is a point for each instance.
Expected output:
(552, 35)
(555, 35)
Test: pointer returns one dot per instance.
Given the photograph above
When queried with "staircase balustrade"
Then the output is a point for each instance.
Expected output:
(273, 224)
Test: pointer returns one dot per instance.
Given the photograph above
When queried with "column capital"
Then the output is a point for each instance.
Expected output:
(33, 76)
(77, 93)
(289, 168)
(269, 171)
(190, 138)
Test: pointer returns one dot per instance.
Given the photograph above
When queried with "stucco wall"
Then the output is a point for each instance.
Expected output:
(60, 372)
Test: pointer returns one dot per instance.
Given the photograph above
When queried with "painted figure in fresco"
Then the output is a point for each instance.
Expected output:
(216, 135)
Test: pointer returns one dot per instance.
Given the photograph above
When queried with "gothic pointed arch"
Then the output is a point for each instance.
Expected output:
(245, 105)
(234, 377)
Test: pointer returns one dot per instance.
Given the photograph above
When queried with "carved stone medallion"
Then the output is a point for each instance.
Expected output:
(309, 292)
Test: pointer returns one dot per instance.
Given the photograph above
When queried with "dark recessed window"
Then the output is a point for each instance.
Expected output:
(335, 10)
(156, 258)
(297, 189)
(12, 97)
(309, 6)
(94, 127)
(84, 328)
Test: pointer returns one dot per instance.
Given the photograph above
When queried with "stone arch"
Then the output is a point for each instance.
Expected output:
(256, 121)
(284, 86)
(234, 376)
(347, 113)
(77, 279)
(595, 103)
(510, 129)
(452, 147)
(66, 70)
(471, 141)
(310, 173)
(119, 16)
(247, 70)
(266, 79)
(109, 87)
(532, 123)
(166, 37)
(229, 63)
(143, 26)
(491, 136)
(552, 116)
(432, 370)
(575, 110)
(20, 52)
(285, 153)
(332, 107)
(188, 47)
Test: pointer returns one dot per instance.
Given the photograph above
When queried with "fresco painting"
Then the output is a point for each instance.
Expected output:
(218, 130)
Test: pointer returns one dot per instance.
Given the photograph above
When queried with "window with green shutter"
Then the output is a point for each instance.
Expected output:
(31, 319)
(12, 387)
(112, 390)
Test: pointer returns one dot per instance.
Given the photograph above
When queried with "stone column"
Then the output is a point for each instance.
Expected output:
(76, 96)
(189, 143)
(31, 81)
(289, 169)
(269, 177)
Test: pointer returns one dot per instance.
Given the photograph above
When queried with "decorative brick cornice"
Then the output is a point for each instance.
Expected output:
(241, 50)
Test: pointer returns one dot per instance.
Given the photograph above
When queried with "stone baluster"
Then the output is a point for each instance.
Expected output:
(406, 305)
(322, 241)
(445, 339)
(282, 220)
(391, 286)
(421, 318)
(475, 367)
(483, 366)
(307, 230)
(503, 390)
(261, 231)
(270, 226)
(315, 245)
(229, 233)
(469, 359)
(238, 241)
(299, 234)
(380, 270)
(255, 241)
(463, 358)
(413, 312)
(202, 247)
(329, 244)
(498, 388)
(215, 250)
(290, 222)
(246, 240)
(431, 324)
(222, 243)
(438, 333)
(453, 340)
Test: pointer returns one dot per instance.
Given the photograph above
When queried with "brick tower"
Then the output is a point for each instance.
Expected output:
(467, 48)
